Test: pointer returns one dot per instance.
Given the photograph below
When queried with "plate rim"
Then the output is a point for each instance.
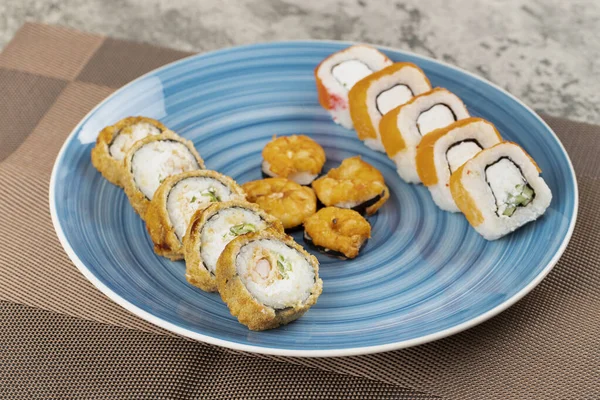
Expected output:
(279, 351)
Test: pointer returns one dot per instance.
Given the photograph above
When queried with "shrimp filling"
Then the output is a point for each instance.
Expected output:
(438, 116)
(154, 162)
(275, 274)
(508, 186)
(347, 73)
(392, 98)
(190, 194)
(222, 228)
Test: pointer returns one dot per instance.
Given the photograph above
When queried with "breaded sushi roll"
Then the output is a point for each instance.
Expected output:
(176, 200)
(444, 150)
(286, 200)
(338, 73)
(152, 160)
(267, 280)
(499, 190)
(354, 184)
(337, 232)
(377, 94)
(211, 229)
(403, 127)
(296, 157)
(114, 141)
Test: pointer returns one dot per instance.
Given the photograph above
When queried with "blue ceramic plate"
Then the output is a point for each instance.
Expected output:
(424, 275)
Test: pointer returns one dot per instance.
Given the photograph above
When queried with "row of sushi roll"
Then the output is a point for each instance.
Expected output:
(229, 244)
(431, 137)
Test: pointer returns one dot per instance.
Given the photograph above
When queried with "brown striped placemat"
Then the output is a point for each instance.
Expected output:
(60, 337)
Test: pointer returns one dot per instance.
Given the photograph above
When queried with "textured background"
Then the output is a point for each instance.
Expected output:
(546, 52)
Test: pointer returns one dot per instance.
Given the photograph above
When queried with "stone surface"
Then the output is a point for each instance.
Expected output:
(546, 52)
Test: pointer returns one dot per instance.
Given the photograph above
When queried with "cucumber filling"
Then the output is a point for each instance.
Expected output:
(508, 186)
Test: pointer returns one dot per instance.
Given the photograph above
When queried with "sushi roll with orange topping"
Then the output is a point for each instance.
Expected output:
(444, 150)
(338, 73)
(377, 94)
(402, 128)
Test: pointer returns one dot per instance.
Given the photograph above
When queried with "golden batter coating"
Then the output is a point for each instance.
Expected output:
(354, 184)
(111, 166)
(196, 272)
(282, 198)
(138, 200)
(290, 155)
(158, 223)
(338, 230)
(250, 312)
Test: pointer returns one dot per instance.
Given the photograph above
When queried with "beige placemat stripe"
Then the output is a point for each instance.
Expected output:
(49, 51)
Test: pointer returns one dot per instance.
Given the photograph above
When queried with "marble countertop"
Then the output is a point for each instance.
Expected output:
(546, 52)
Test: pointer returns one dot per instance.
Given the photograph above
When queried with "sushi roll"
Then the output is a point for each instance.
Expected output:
(337, 231)
(499, 190)
(377, 94)
(444, 150)
(286, 200)
(152, 160)
(267, 280)
(354, 184)
(296, 157)
(114, 141)
(338, 73)
(403, 127)
(176, 200)
(211, 229)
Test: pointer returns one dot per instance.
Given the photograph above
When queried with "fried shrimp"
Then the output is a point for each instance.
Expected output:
(354, 184)
(283, 199)
(337, 231)
(296, 157)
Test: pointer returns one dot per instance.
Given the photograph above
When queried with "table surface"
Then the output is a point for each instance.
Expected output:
(545, 52)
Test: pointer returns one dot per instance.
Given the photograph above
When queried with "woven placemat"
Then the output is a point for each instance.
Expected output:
(58, 328)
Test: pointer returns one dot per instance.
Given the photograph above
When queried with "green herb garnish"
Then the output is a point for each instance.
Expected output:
(241, 229)
(212, 193)
(193, 199)
(283, 266)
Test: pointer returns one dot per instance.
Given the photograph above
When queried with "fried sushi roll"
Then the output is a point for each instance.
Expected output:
(286, 200)
(267, 280)
(114, 141)
(296, 157)
(338, 73)
(337, 231)
(499, 190)
(211, 229)
(354, 184)
(444, 150)
(176, 200)
(402, 128)
(152, 160)
(377, 94)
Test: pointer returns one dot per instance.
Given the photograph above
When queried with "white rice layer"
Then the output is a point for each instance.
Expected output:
(217, 232)
(481, 131)
(404, 84)
(293, 290)
(341, 71)
(125, 140)
(423, 116)
(473, 178)
(302, 177)
(190, 194)
(157, 160)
